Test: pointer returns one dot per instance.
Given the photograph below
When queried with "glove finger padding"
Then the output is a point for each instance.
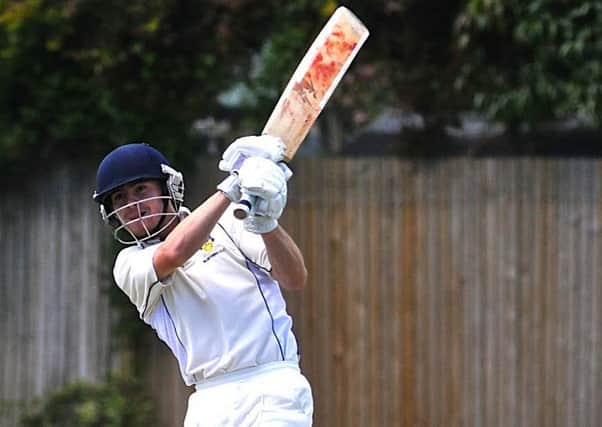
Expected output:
(262, 178)
(231, 188)
(265, 146)
(288, 173)
(273, 207)
(267, 213)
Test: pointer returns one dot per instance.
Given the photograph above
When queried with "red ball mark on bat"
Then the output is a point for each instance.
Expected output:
(329, 61)
(321, 70)
(305, 88)
(338, 45)
(324, 68)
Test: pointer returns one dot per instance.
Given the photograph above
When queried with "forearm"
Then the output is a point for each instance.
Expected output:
(189, 235)
(288, 265)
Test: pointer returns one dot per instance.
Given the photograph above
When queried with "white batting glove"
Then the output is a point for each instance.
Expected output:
(273, 207)
(262, 178)
(260, 224)
(287, 171)
(265, 146)
(266, 181)
(267, 214)
(231, 188)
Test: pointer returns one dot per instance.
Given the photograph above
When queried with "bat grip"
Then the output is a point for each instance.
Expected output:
(244, 207)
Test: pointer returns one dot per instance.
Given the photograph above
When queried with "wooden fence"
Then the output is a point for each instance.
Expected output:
(451, 293)
(54, 313)
(460, 292)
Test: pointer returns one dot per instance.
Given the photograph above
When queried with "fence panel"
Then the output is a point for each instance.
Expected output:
(455, 292)
(54, 309)
(460, 292)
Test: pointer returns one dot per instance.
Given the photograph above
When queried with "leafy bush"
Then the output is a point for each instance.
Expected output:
(531, 61)
(115, 403)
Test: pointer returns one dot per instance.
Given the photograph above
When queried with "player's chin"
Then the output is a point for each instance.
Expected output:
(141, 228)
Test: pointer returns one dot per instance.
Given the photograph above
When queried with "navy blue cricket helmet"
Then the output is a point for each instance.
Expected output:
(130, 163)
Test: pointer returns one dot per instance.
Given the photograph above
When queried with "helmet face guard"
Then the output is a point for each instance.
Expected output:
(121, 228)
(127, 164)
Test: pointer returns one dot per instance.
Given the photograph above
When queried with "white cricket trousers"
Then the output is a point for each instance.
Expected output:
(271, 395)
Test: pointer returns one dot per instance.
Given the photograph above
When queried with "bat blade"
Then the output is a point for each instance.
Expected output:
(315, 79)
(311, 86)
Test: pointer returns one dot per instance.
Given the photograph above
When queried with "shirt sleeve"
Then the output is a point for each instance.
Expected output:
(251, 245)
(136, 277)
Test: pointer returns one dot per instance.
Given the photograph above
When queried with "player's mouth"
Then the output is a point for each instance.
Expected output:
(137, 216)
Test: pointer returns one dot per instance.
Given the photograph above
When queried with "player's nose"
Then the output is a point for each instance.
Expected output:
(133, 207)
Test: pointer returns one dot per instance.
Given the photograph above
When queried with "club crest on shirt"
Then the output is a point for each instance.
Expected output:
(210, 249)
(207, 246)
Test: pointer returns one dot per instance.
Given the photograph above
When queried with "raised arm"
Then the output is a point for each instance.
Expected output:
(189, 235)
(288, 265)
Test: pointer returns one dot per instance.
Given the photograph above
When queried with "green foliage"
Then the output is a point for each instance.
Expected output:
(115, 403)
(294, 25)
(409, 59)
(526, 62)
(78, 78)
(81, 77)
(8, 409)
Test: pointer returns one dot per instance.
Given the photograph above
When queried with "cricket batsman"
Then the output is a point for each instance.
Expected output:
(209, 284)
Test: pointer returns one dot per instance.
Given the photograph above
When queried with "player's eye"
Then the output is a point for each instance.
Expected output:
(141, 190)
(118, 199)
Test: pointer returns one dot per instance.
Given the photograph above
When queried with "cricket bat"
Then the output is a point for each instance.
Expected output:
(311, 85)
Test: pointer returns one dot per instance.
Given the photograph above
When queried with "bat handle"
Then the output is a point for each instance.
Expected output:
(244, 207)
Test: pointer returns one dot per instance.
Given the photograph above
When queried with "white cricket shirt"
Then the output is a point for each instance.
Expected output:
(220, 311)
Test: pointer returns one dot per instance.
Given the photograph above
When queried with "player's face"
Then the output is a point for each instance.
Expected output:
(139, 205)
